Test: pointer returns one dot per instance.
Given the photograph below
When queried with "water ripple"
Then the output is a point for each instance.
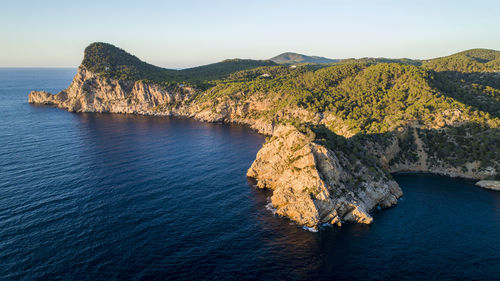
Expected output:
(112, 197)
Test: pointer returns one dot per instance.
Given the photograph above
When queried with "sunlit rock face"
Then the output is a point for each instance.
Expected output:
(91, 93)
(489, 184)
(313, 185)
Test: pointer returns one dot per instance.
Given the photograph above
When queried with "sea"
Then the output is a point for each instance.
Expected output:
(126, 197)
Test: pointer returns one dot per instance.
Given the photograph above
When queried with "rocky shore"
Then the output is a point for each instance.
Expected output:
(489, 184)
(312, 184)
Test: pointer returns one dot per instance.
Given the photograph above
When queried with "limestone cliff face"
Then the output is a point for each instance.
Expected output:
(489, 184)
(91, 93)
(313, 185)
(408, 152)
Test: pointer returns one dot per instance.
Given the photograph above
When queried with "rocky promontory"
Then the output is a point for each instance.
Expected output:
(330, 146)
(489, 184)
(313, 185)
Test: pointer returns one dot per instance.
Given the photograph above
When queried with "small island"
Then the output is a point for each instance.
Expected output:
(336, 129)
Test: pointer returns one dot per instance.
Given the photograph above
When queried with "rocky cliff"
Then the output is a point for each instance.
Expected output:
(408, 150)
(488, 184)
(313, 185)
(319, 166)
(89, 92)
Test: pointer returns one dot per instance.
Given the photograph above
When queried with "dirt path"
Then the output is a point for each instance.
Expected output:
(422, 155)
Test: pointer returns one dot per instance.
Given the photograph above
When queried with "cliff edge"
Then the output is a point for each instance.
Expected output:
(313, 185)
(334, 132)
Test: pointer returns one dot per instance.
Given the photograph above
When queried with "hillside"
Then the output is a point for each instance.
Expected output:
(221, 69)
(335, 132)
(381, 60)
(109, 61)
(294, 58)
(470, 61)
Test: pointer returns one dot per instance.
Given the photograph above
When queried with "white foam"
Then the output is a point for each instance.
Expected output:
(311, 229)
(326, 224)
(270, 207)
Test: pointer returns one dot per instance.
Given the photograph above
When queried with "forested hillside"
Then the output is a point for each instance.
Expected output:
(110, 61)
(335, 132)
(470, 61)
(294, 58)
(454, 101)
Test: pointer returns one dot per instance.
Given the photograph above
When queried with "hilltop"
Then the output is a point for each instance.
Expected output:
(469, 61)
(294, 58)
(335, 131)
(110, 61)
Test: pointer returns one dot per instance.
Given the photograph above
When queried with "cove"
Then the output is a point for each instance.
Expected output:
(103, 196)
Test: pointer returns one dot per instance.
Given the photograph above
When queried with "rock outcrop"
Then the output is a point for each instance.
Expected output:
(406, 151)
(489, 184)
(313, 185)
(89, 92)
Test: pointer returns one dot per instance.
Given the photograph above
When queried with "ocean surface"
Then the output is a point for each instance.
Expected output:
(120, 197)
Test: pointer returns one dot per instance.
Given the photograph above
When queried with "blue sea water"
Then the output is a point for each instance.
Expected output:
(119, 197)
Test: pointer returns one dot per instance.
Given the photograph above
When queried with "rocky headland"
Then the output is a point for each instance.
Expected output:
(489, 184)
(323, 165)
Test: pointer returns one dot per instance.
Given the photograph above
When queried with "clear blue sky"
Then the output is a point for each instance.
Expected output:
(187, 33)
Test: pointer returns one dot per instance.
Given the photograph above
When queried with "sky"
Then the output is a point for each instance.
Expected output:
(178, 34)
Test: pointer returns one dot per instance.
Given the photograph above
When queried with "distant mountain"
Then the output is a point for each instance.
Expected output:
(299, 58)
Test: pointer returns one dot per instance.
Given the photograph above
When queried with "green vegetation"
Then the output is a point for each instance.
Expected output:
(219, 70)
(408, 150)
(471, 76)
(475, 60)
(294, 58)
(382, 60)
(109, 61)
(455, 100)
(368, 98)
(353, 148)
(457, 146)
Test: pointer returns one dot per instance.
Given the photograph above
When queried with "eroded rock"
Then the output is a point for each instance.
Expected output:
(313, 185)
(489, 184)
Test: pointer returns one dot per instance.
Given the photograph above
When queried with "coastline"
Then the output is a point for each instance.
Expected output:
(319, 169)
